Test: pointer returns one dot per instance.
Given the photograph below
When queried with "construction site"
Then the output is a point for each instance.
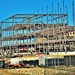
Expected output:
(44, 43)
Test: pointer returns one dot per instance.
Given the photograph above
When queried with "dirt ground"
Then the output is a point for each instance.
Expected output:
(22, 71)
(5, 72)
(35, 71)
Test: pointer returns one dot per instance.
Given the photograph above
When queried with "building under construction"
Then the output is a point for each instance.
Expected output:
(45, 32)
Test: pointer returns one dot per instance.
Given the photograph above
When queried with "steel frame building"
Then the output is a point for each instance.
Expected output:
(41, 31)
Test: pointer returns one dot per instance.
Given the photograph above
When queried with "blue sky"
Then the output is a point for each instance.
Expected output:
(11, 7)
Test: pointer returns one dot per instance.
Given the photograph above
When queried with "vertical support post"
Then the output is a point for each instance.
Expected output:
(63, 7)
(47, 49)
(73, 12)
(54, 36)
(59, 30)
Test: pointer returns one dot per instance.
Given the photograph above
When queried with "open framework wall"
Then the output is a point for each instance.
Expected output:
(29, 30)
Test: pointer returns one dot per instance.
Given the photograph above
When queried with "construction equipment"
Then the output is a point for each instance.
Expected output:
(15, 63)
